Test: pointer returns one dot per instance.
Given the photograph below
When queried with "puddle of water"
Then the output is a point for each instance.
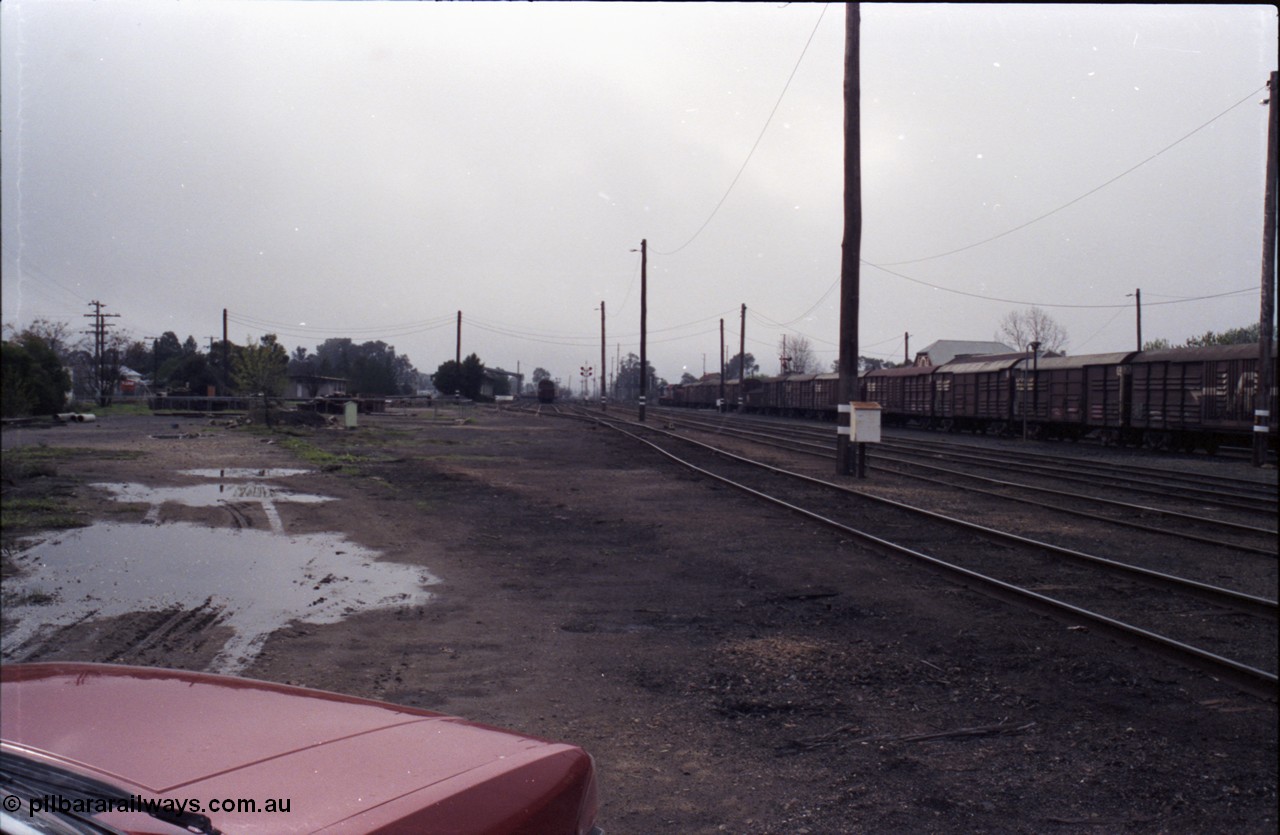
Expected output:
(261, 581)
(204, 495)
(246, 472)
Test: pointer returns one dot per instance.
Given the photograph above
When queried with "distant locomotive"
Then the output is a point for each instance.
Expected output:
(546, 391)
(1179, 398)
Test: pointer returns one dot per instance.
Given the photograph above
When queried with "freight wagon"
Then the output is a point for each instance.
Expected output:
(1181, 398)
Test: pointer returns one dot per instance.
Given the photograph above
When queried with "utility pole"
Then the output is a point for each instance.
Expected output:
(457, 350)
(105, 377)
(604, 396)
(906, 348)
(226, 356)
(849, 278)
(1262, 416)
(1136, 295)
(644, 322)
(742, 359)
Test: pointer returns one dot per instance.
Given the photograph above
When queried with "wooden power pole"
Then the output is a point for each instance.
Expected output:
(847, 387)
(106, 369)
(1262, 417)
(226, 357)
(644, 322)
(604, 392)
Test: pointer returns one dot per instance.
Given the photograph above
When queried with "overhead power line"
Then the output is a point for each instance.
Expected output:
(760, 137)
(1051, 304)
(1076, 200)
(884, 266)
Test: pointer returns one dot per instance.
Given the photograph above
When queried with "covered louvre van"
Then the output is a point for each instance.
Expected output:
(906, 395)
(976, 393)
(1188, 397)
(1067, 397)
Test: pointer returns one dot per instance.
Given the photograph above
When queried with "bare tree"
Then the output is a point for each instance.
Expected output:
(1022, 327)
(56, 335)
(795, 355)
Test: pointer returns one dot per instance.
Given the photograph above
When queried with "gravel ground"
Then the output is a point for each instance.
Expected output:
(731, 668)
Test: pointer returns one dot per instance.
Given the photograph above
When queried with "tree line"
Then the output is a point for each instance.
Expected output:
(44, 369)
(1232, 336)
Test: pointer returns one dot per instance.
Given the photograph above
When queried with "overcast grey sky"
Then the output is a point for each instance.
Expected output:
(370, 169)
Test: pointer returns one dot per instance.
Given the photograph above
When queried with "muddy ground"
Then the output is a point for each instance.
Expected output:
(731, 668)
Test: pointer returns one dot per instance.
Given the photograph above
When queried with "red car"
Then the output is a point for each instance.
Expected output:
(143, 750)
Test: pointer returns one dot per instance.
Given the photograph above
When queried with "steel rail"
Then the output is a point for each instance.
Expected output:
(1060, 468)
(1248, 490)
(1267, 488)
(1246, 487)
(1247, 603)
(1247, 678)
(821, 450)
(1253, 504)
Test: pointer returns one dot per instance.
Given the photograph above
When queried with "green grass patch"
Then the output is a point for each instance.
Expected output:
(36, 496)
(37, 514)
(321, 458)
(31, 455)
(115, 409)
(43, 452)
(21, 520)
(30, 462)
(34, 505)
(462, 458)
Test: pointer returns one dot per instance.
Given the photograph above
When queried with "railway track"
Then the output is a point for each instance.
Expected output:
(1229, 634)
(1258, 494)
(1139, 473)
(1249, 528)
(1187, 488)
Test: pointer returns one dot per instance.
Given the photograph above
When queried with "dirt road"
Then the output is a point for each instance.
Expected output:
(731, 668)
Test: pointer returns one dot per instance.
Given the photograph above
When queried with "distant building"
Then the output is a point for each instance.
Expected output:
(84, 379)
(490, 385)
(131, 383)
(308, 386)
(945, 350)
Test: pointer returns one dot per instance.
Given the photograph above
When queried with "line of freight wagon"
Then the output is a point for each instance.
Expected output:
(1178, 398)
